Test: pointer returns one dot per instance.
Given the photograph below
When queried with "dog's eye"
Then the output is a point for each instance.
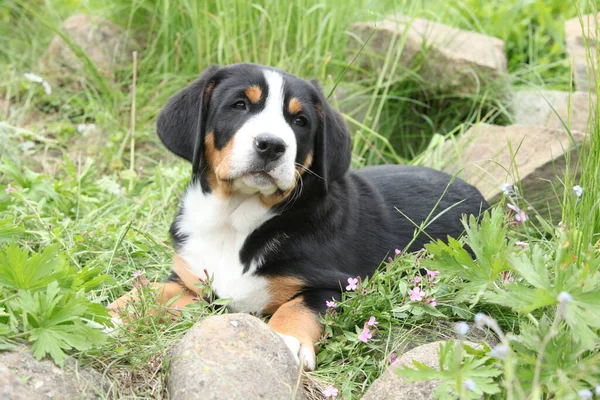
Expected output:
(239, 105)
(300, 121)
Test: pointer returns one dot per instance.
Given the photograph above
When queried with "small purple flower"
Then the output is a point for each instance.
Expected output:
(520, 215)
(509, 279)
(432, 274)
(417, 279)
(393, 358)
(397, 252)
(330, 304)
(352, 282)
(330, 391)
(432, 302)
(416, 294)
(372, 321)
(365, 335)
(136, 274)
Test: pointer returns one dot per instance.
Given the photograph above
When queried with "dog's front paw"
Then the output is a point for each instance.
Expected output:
(304, 353)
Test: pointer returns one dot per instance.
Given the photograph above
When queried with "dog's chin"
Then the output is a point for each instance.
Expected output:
(255, 183)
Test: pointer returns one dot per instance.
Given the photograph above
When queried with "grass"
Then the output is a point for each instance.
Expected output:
(108, 210)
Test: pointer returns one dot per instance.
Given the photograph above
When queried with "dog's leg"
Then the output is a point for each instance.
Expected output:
(300, 329)
(181, 285)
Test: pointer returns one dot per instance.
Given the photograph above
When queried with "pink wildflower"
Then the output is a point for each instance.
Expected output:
(393, 357)
(372, 321)
(417, 279)
(397, 251)
(508, 280)
(522, 245)
(330, 391)
(330, 304)
(416, 294)
(432, 274)
(352, 284)
(365, 335)
(136, 273)
(432, 302)
(9, 189)
(520, 215)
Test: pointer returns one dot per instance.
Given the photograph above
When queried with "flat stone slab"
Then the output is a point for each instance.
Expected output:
(489, 156)
(43, 379)
(233, 356)
(391, 386)
(576, 37)
(453, 57)
(554, 109)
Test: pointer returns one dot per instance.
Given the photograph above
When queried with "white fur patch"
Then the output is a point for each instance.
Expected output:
(269, 121)
(300, 352)
(216, 230)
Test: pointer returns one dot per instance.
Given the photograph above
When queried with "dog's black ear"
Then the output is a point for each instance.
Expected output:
(333, 150)
(181, 123)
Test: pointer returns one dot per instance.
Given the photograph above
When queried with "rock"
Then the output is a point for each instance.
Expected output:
(391, 386)
(576, 37)
(233, 356)
(485, 159)
(45, 379)
(12, 387)
(108, 46)
(461, 58)
(550, 108)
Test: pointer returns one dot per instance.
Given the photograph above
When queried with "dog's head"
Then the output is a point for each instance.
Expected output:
(252, 129)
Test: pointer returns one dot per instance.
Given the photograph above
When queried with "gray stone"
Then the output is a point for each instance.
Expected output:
(391, 386)
(553, 109)
(45, 379)
(108, 47)
(233, 356)
(489, 156)
(455, 58)
(580, 40)
(14, 388)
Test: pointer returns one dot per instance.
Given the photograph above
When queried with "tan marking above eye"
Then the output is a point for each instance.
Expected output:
(294, 106)
(254, 94)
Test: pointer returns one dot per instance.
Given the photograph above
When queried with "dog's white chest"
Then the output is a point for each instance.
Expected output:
(216, 231)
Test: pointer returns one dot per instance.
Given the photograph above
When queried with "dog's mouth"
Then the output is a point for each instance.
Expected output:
(256, 182)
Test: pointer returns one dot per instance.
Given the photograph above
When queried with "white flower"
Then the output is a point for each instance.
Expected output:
(33, 77)
(508, 189)
(577, 190)
(38, 79)
(469, 385)
(564, 297)
(500, 352)
(462, 328)
(597, 391)
(585, 394)
(83, 128)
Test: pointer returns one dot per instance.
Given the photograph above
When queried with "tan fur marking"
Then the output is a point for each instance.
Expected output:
(218, 164)
(281, 289)
(164, 293)
(307, 163)
(295, 319)
(254, 94)
(188, 278)
(294, 107)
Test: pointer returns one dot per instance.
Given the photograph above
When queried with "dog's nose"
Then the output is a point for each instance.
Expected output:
(269, 147)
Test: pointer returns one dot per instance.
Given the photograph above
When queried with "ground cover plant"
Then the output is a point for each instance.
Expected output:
(84, 218)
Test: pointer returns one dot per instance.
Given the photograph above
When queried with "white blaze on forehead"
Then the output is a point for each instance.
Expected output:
(271, 121)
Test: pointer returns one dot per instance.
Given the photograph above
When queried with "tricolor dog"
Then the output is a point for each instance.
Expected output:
(272, 211)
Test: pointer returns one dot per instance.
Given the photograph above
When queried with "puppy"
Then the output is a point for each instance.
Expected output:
(273, 213)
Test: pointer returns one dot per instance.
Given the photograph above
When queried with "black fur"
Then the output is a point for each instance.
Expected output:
(342, 223)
